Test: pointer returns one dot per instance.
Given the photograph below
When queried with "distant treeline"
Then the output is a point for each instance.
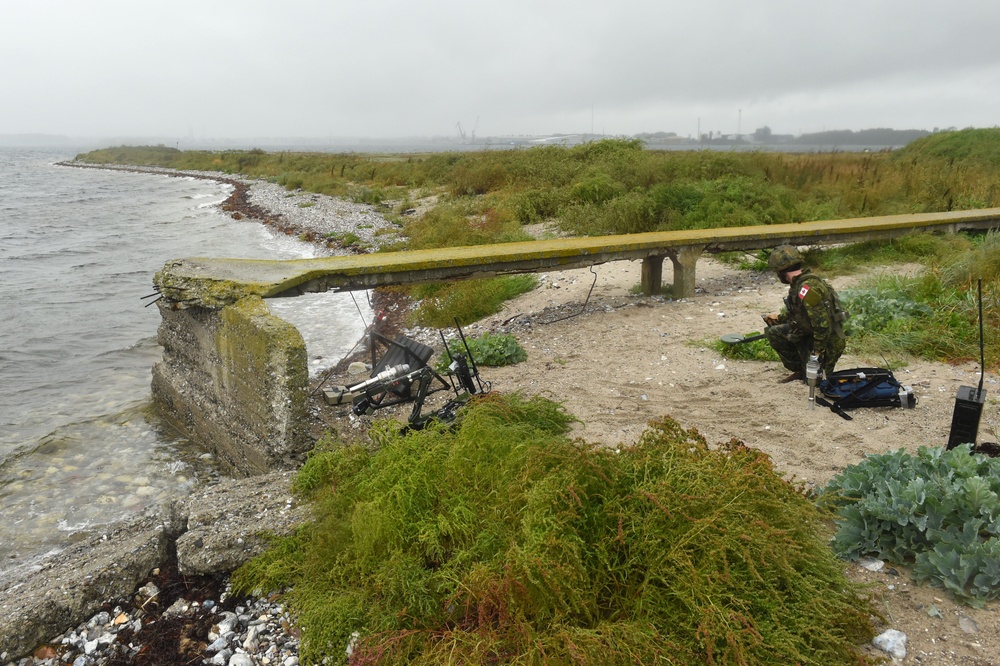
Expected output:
(881, 136)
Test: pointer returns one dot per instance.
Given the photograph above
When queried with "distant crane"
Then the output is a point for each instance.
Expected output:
(461, 132)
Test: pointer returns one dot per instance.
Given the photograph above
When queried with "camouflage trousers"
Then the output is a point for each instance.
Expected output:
(794, 354)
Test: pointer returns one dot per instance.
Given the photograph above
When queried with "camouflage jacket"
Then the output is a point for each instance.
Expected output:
(812, 308)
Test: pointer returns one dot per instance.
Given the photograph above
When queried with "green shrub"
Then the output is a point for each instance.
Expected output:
(478, 177)
(876, 310)
(758, 350)
(921, 316)
(922, 248)
(366, 195)
(492, 350)
(466, 300)
(344, 238)
(502, 540)
(535, 205)
(938, 510)
(628, 214)
(458, 224)
(597, 189)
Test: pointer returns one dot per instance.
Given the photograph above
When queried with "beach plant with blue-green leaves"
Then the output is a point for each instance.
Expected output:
(492, 350)
(937, 510)
(501, 539)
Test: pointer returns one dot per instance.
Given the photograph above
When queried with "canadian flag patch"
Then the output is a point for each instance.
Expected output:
(803, 291)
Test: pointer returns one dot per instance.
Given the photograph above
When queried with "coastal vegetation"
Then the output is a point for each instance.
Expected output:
(937, 509)
(493, 350)
(502, 540)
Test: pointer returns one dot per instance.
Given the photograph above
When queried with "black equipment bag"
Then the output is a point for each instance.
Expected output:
(864, 387)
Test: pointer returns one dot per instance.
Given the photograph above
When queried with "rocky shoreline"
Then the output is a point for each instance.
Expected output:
(155, 590)
(57, 612)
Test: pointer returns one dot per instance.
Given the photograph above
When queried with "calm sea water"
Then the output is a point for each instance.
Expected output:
(80, 446)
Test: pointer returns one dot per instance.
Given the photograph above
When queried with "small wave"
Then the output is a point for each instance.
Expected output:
(144, 344)
(64, 526)
(89, 264)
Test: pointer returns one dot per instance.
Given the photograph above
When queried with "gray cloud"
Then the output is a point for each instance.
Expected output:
(312, 68)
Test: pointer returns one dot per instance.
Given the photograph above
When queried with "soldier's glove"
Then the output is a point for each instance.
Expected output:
(771, 319)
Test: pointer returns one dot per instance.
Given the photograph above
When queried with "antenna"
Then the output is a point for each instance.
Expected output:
(982, 352)
(969, 401)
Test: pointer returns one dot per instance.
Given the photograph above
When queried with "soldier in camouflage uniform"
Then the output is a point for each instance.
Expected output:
(812, 321)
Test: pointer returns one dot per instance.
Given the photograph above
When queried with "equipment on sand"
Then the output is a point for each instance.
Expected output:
(737, 339)
(813, 372)
(864, 387)
(970, 399)
(402, 375)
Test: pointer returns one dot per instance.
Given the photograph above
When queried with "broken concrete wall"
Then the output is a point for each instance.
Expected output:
(236, 380)
(213, 531)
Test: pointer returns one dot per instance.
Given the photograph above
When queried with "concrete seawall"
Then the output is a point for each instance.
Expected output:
(236, 380)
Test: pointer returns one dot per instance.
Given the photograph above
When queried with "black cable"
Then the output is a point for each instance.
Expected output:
(368, 328)
(585, 301)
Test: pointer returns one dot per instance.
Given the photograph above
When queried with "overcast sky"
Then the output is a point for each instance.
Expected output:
(204, 69)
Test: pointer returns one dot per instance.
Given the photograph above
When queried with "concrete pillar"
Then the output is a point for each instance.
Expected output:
(652, 275)
(684, 260)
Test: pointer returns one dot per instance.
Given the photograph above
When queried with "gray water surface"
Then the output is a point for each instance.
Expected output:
(80, 445)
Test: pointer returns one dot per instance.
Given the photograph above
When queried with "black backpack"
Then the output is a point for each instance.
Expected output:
(864, 387)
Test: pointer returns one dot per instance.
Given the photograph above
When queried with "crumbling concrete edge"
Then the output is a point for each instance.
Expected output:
(213, 531)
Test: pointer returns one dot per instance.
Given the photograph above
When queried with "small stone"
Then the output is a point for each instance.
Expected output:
(240, 659)
(179, 607)
(892, 642)
(225, 625)
(218, 645)
(222, 657)
(149, 590)
(871, 563)
(44, 652)
(968, 625)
